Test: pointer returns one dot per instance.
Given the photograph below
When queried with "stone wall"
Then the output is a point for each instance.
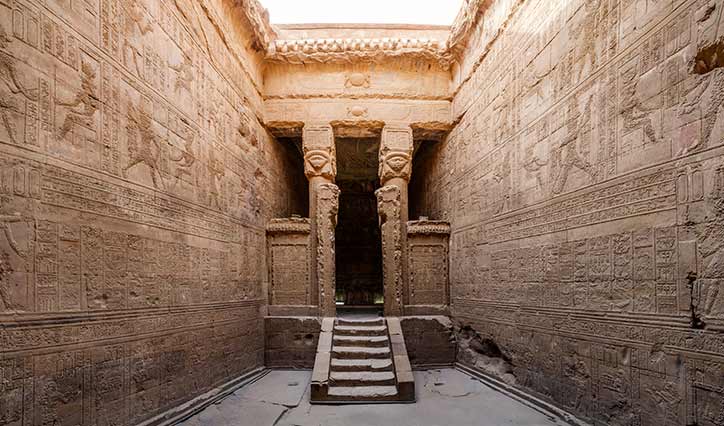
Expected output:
(584, 187)
(291, 342)
(135, 182)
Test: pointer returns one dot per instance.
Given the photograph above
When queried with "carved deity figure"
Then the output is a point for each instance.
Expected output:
(534, 165)
(185, 74)
(187, 158)
(9, 77)
(143, 145)
(85, 104)
(135, 25)
(6, 267)
(586, 33)
(567, 157)
(216, 173)
(711, 248)
(635, 114)
(709, 85)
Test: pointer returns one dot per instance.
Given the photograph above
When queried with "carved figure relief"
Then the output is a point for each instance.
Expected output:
(395, 155)
(83, 107)
(135, 25)
(395, 164)
(711, 248)
(9, 299)
(586, 33)
(635, 114)
(184, 74)
(320, 157)
(11, 80)
(216, 172)
(143, 145)
(706, 97)
(567, 156)
(187, 157)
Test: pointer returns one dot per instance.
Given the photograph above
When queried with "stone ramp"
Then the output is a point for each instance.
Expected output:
(362, 361)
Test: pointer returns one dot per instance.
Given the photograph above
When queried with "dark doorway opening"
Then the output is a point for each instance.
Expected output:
(358, 239)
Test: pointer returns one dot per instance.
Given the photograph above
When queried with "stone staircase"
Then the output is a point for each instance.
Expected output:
(361, 361)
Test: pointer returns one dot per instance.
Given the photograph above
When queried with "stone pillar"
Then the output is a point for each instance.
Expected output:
(320, 167)
(395, 170)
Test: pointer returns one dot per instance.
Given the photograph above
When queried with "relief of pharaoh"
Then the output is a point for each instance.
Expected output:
(11, 81)
(84, 106)
(143, 146)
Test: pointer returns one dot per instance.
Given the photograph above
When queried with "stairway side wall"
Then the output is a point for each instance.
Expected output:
(135, 184)
(583, 184)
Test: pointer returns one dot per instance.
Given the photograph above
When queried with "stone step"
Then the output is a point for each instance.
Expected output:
(359, 330)
(360, 322)
(365, 341)
(361, 365)
(356, 352)
(363, 393)
(362, 378)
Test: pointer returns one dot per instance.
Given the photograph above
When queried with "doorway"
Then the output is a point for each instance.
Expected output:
(358, 238)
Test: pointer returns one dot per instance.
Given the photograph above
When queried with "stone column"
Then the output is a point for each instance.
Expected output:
(320, 167)
(395, 170)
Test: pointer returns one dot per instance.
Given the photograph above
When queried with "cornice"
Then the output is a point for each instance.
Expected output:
(428, 227)
(258, 17)
(351, 50)
(294, 225)
(376, 50)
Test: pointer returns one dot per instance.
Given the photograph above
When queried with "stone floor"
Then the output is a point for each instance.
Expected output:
(444, 398)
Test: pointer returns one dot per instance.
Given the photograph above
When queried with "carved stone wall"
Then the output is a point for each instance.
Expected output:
(428, 289)
(135, 183)
(583, 184)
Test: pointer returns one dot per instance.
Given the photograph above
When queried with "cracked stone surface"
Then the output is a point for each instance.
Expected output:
(448, 397)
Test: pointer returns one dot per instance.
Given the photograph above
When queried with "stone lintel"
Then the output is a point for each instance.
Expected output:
(357, 128)
(431, 130)
(428, 227)
(285, 129)
(292, 225)
(395, 111)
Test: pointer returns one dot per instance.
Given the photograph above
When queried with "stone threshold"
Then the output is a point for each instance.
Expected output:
(190, 408)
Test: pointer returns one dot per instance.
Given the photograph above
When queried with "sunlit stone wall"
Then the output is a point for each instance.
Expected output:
(135, 184)
(584, 184)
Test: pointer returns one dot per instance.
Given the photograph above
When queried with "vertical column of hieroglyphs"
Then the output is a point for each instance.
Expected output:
(585, 177)
(134, 183)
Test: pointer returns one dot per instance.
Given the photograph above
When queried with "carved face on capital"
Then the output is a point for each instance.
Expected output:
(395, 164)
(319, 162)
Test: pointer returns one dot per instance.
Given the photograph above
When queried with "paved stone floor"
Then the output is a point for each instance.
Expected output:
(444, 398)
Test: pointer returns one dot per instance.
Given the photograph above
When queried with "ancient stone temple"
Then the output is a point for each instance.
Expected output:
(193, 198)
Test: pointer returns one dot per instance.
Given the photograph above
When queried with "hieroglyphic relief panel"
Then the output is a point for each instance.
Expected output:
(606, 253)
(135, 180)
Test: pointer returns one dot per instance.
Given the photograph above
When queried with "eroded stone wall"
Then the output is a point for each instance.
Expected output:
(135, 183)
(584, 187)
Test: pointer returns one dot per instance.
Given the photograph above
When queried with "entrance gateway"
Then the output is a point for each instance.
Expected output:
(357, 262)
